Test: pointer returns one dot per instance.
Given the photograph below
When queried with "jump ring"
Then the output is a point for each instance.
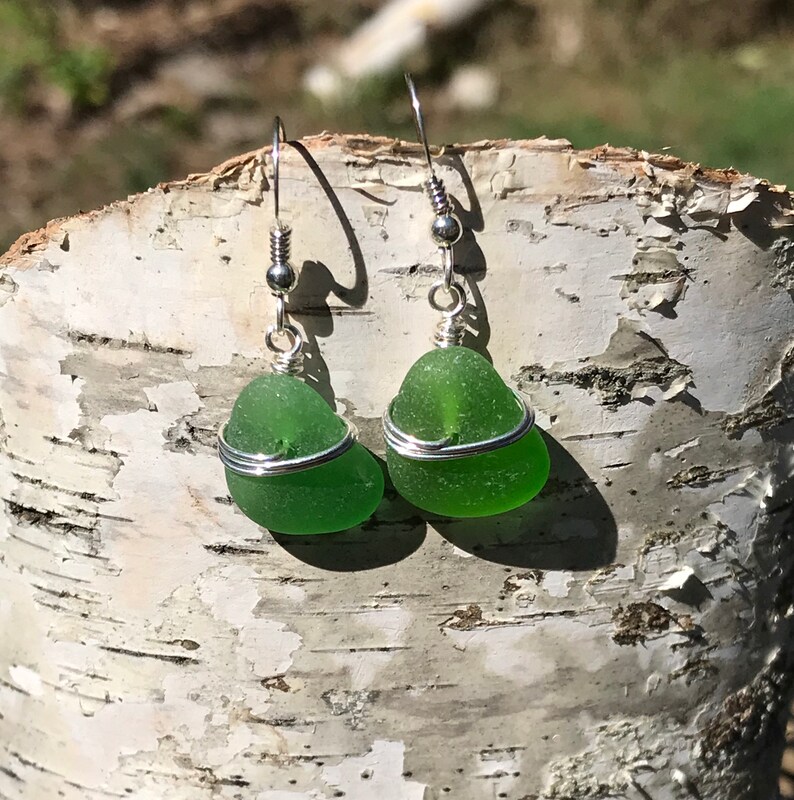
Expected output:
(455, 288)
(292, 332)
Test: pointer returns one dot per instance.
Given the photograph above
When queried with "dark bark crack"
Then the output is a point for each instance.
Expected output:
(124, 344)
(637, 621)
(614, 384)
(698, 476)
(169, 657)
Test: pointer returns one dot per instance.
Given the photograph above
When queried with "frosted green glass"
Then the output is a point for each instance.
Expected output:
(455, 392)
(281, 414)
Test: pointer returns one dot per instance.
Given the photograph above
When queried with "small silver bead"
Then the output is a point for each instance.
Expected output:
(281, 278)
(446, 229)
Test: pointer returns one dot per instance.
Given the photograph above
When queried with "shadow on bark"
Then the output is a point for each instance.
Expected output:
(567, 526)
(470, 263)
(392, 533)
(309, 304)
(309, 300)
(764, 221)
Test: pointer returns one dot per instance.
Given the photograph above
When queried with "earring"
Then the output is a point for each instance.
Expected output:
(461, 443)
(292, 464)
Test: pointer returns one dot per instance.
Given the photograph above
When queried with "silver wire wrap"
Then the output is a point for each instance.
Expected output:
(287, 361)
(260, 465)
(446, 230)
(452, 327)
(441, 450)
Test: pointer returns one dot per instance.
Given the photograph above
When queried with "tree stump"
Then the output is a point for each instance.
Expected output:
(626, 634)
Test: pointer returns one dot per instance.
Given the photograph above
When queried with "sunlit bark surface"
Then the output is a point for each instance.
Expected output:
(627, 634)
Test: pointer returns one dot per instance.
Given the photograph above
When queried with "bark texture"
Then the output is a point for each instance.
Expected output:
(627, 634)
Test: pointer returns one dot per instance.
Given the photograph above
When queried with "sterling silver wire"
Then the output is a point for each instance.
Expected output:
(287, 361)
(452, 327)
(260, 465)
(446, 230)
(442, 450)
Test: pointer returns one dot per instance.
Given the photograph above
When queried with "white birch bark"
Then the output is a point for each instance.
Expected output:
(627, 634)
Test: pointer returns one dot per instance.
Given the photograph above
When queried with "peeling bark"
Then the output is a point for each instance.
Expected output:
(628, 633)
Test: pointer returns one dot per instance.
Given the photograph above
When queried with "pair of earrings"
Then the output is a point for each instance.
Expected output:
(460, 442)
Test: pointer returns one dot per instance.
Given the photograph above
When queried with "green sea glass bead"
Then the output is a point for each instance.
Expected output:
(281, 414)
(455, 392)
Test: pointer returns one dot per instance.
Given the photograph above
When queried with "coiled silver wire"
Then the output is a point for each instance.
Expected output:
(437, 193)
(452, 327)
(442, 450)
(280, 244)
(261, 465)
(287, 361)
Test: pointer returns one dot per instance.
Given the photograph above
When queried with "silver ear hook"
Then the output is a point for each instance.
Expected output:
(419, 121)
(281, 276)
(446, 229)
(279, 136)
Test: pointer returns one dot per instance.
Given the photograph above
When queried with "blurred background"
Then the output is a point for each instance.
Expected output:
(103, 98)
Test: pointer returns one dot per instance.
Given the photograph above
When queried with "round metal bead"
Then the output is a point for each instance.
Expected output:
(281, 278)
(446, 229)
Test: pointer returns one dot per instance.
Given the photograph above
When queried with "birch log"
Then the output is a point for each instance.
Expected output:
(627, 634)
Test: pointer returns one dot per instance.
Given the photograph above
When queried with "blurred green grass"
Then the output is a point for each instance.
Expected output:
(33, 51)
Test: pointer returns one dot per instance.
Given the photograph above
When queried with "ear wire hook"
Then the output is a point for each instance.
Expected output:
(281, 276)
(419, 121)
(279, 136)
(446, 229)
